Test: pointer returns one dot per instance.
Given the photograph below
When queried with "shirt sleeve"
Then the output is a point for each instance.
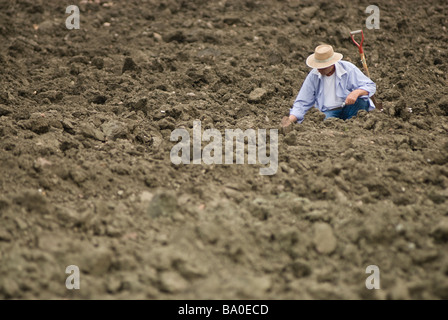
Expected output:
(358, 80)
(305, 99)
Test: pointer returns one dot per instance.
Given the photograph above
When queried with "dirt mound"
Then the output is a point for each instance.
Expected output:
(86, 178)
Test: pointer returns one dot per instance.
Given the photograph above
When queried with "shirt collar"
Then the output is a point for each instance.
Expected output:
(339, 71)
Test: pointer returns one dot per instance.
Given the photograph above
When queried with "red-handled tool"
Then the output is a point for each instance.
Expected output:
(363, 60)
(359, 45)
(361, 51)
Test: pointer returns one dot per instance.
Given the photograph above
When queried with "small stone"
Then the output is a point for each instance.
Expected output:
(308, 12)
(209, 52)
(98, 99)
(324, 239)
(129, 65)
(175, 36)
(33, 201)
(257, 95)
(37, 125)
(399, 292)
(46, 27)
(114, 130)
(98, 62)
(78, 176)
(440, 232)
(423, 256)
(4, 235)
(67, 145)
(68, 126)
(52, 95)
(192, 269)
(41, 163)
(97, 261)
(172, 282)
(4, 112)
(138, 103)
(208, 232)
(166, 124)
(438, 197)
(300, 269)
(6, 98)
(113, 285)
(163, 204)
(275, 57)
(231, 20)
(21, 224)
(291, 139)
(157, 37)
(146, 196)
(88, 131)
(399, 228)
(80, 59)
(440, 287)
(443, 104)
(9, 287)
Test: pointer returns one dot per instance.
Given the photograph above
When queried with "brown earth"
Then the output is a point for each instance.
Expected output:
(86, 177)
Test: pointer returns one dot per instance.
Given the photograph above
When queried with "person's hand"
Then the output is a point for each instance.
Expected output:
(286, 122)
(286, 125)
(351, 98)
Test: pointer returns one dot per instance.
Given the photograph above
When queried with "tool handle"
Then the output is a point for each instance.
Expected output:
(377, 104)
(359, 45)
(364, 64)
(356, 31)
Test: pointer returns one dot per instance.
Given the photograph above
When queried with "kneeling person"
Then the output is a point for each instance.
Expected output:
(335, 87)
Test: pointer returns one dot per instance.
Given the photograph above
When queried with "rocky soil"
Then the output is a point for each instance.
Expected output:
(86, 178)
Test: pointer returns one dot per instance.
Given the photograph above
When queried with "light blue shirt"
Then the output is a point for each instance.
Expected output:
(348, 78)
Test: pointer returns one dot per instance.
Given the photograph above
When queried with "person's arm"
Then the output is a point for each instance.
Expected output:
(292, 118)
(359, 85)
(286, 121)
(351, 98)
(304, 101)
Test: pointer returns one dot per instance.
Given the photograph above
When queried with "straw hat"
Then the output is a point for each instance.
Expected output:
(323, 57)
